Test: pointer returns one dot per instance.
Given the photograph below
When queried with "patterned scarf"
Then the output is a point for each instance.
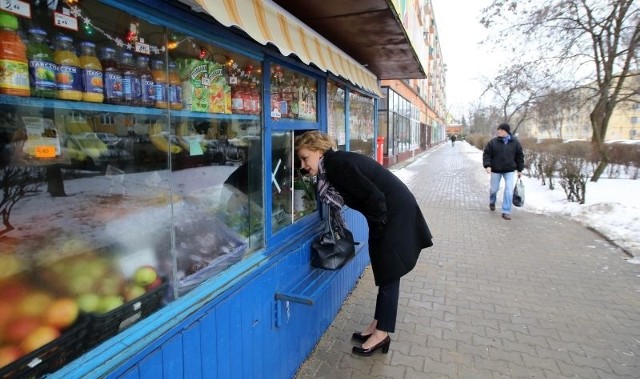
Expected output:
(329, 195)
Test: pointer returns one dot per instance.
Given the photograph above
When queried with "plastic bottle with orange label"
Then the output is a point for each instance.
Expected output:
(69, 75)
(13, 58)
(91, 73)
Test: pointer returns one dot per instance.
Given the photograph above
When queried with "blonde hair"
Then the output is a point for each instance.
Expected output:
(315, 141)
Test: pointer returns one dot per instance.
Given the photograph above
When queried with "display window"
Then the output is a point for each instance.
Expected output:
(361, 124)
(293, 191)
(336, 116)
(131, 163)
(293, 95)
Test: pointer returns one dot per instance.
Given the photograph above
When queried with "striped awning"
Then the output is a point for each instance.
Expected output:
(266, 22)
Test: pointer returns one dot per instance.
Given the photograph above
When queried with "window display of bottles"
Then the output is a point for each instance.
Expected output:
(54, 63)
(293, 95)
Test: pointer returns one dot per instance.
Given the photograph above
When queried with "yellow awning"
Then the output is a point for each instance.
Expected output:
(266, 22)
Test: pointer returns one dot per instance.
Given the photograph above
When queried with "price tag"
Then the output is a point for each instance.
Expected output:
(45, 151)
(65, 21)
(143, 48)
(21, 8)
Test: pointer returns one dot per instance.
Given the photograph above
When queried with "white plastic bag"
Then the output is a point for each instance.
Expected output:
(518, 193)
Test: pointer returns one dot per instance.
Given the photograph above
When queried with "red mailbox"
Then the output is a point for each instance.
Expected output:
(379, 149)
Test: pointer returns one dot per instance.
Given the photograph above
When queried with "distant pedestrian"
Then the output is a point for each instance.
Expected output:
(501, 157)
(453, 139)
(397, 229)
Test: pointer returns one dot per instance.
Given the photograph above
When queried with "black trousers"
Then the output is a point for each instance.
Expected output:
(387, 306)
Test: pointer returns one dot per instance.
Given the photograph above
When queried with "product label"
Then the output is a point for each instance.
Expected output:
(43, 75)
(148, 89)
(113, 85)
(92, 80)
(128, 86)
(69, 78)
(137, 88)
(15, 75)
(237, 104)
(175, 94)
(160, 91)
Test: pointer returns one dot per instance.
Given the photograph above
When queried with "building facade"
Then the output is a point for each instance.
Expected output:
(147, 153)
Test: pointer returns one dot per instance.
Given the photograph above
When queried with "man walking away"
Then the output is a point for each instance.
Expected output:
(501, 157)
(453, 139)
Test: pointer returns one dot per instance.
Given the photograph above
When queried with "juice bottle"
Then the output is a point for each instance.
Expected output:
(42, 69)
(69, 75)
(129, 79)
(147, 85)
(13, 58)
(175, 88)
(160, 79)
(112, 77)
(91, 73)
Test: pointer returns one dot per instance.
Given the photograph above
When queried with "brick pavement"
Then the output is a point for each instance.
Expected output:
(536, 297)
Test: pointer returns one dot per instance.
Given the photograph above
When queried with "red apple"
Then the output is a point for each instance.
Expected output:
(155, 284)
(145, 275)
(18, 329)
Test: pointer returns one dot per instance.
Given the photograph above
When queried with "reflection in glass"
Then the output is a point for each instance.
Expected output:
(336, 116)
(361, 124)
(282, 179)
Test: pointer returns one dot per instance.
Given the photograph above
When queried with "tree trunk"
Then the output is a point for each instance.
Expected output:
(599, 122)
(55, 184)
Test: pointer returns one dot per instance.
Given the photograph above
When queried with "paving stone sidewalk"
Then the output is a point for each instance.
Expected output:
(539, 296)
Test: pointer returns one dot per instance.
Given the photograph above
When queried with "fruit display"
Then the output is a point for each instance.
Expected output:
(96, 284)
(37, 307)
(31, 317)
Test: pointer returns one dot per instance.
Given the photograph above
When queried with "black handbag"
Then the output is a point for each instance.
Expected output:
(334, 248)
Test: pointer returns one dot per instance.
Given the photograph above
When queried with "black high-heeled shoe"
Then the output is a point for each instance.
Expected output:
(362, 338)
(384, 345)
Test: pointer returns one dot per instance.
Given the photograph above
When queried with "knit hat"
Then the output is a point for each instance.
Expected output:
(505, 127)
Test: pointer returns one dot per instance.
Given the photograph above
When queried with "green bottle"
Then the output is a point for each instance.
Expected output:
(42, 68)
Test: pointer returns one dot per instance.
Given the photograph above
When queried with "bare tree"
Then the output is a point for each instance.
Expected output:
(593, 42)
(483, 119)
(515, 89)
(552, 110)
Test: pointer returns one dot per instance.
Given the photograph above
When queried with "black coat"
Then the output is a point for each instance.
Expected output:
(503, 157)
(397, 228)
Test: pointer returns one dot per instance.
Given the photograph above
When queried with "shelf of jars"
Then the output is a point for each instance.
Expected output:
(15, 101)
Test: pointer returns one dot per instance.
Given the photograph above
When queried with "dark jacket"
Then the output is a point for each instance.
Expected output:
(503, 157)
(397, 228)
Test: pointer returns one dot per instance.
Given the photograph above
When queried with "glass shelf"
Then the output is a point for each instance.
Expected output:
(110, 108)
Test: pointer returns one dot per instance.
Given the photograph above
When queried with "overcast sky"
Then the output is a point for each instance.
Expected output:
(459, 29)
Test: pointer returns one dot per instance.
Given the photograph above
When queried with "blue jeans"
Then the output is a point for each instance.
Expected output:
(508, 189)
